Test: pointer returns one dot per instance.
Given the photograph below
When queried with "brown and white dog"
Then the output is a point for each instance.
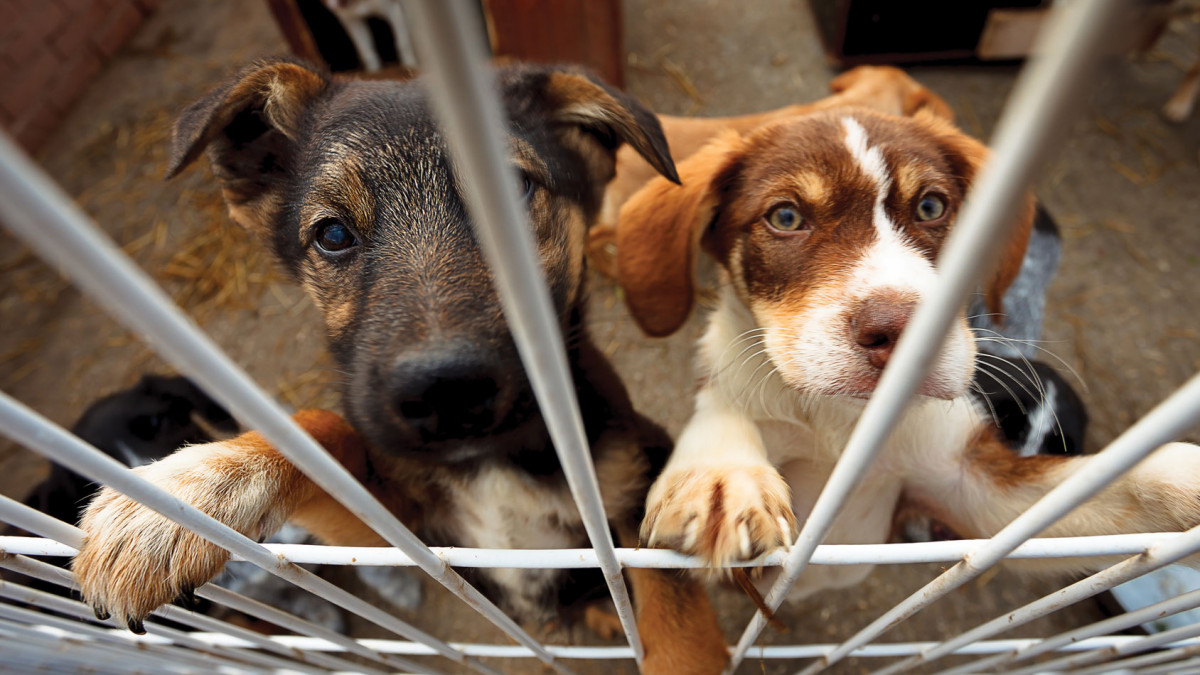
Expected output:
(349, 184)
(827, 228)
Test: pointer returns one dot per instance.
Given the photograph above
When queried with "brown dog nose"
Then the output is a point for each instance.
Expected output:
(877, 324)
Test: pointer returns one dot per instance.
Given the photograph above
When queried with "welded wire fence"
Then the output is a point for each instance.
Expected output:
(42, 630)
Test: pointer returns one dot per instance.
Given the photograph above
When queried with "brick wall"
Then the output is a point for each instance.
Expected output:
(49, 52)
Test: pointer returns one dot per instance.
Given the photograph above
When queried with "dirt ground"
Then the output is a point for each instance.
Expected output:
(1124, 186)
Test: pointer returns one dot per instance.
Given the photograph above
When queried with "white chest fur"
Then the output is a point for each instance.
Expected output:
(501, 507)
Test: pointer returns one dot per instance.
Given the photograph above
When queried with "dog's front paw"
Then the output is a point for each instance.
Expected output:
(134, 560)
(721, 514)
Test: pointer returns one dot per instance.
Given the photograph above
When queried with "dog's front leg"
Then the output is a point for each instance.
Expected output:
(991, 485)
(719, 497)
(133, 560)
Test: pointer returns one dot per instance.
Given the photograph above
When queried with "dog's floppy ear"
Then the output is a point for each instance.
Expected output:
(612, 116)
(249, 125)
(659, 233)
(967, 156)
(265, 97)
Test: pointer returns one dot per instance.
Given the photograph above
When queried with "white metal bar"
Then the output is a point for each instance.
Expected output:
(1120, 622)
(51, 574)
(580, 558)
(463, 92)
(1042, 100)
(38, 433)
(55, 575)
(37, 211)
(769, 652)
(30, 519)
(162, 655)
(80, 628)
(22, 656)
(1175, 655)
(1145, 660)
(52, 643)
(1141, 644)
(69, 537)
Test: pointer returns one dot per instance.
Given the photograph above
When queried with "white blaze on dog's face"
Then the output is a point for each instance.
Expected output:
(830, 226)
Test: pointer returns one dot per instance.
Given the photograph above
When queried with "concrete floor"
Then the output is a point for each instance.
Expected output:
(1123, 186)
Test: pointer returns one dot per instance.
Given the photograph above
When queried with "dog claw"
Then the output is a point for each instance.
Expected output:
(136, 626)
(743, 532)
(785, 533)
(654, 539)
(101, 613)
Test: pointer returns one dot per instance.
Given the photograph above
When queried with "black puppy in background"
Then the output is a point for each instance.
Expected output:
(149, 421)
(135, 426)
(1035, 408)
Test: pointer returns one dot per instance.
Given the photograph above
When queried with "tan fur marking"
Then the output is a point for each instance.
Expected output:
(343, 181)
(812, 186)
(287, 88)
(256, 214)
(911, 179)
(338, 316)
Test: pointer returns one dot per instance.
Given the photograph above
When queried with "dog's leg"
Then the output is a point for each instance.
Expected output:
(134, 560)
(719, 497)
(675, 619)
(991, 486)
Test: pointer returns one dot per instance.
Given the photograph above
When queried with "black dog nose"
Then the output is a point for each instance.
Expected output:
(445, 396)
(876, 326)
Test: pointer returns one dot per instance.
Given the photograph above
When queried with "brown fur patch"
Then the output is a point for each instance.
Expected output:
(338, 316)
(990, 458)
(659, 235)
(622, 471)
(677, 624)
(812, 186)
(714, 526)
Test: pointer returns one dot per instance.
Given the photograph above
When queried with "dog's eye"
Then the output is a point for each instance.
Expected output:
(786, 219)
(527, 186)
(931, 207)
(333, 236)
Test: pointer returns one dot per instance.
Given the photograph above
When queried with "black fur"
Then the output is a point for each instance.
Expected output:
(135, 426)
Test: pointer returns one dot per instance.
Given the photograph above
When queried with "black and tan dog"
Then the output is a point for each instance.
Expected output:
(349, 184)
